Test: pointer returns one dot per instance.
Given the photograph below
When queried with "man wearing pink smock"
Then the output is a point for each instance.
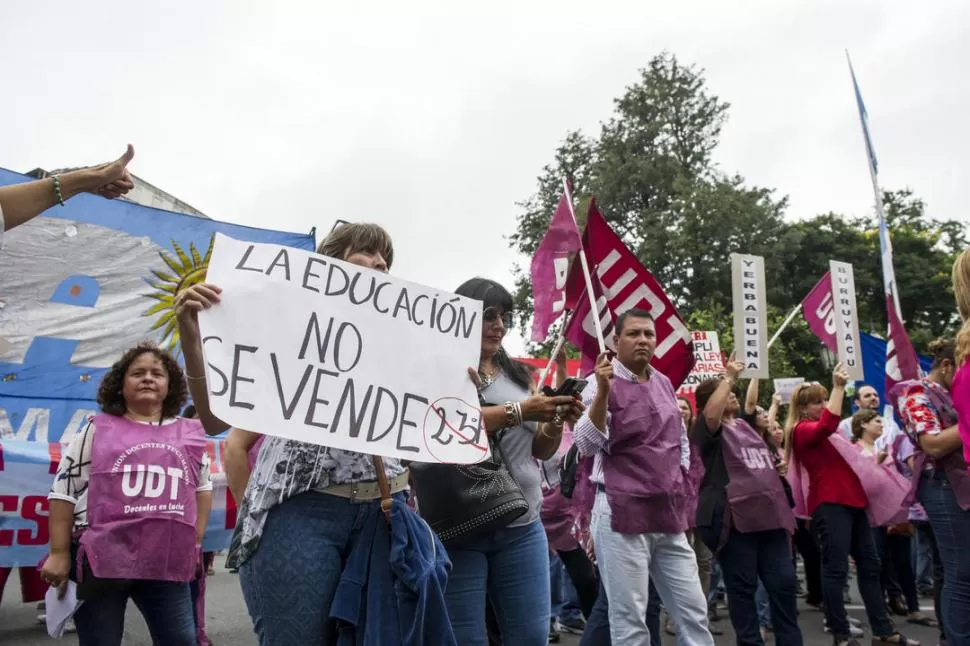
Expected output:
(632, 428)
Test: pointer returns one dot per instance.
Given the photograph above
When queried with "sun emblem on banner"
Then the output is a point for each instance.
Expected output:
(187, 269)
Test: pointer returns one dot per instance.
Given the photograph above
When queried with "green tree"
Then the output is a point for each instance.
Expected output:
(923, 252)
(650, 169)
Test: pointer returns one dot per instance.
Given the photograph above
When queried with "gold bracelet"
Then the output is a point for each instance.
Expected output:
(191, 378)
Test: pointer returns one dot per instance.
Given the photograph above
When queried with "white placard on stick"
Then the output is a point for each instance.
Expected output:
(846, 318)
(785, 387)
(318, 350)
(750, 315)
(708, 362)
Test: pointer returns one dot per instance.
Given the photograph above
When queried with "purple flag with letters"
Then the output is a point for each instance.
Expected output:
(819, 313)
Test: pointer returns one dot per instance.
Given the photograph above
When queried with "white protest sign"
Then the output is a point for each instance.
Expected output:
(750, 315)
(846, 318)
(785, 388)
(314, 349)
(708, 362)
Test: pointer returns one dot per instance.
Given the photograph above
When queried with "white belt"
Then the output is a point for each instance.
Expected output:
(368, 490)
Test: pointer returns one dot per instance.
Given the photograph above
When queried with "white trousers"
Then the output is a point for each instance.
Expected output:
(626, 563)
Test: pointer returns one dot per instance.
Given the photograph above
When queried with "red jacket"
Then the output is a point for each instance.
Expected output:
(830, 479)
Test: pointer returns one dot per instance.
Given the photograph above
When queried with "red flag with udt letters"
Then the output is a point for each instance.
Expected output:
(621, 283)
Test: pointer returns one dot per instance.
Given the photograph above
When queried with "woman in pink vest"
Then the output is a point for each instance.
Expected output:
(130, 503)
(744, 515)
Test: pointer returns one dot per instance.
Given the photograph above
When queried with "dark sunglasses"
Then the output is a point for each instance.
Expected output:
(338, 223)
(491, 314)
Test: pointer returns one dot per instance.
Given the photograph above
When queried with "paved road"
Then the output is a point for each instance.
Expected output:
(228, 622)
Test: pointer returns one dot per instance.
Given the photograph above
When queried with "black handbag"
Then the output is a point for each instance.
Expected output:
(461, 502)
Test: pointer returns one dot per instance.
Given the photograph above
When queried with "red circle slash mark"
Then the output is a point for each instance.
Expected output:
(438, 411)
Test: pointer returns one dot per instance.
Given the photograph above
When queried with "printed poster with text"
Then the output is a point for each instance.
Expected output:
(708, 361)
(318, 350)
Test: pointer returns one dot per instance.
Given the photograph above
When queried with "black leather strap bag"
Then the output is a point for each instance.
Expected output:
(461, 502)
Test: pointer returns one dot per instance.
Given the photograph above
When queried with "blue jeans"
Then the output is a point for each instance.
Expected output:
(166, 607)
(764, 607)
(923, 548)
(565, 600)
(511, 566)
(572, 608)
(557, 573)
(290, 581)
(747, 560)
(951, 527)
(597, 631)
(715, 584)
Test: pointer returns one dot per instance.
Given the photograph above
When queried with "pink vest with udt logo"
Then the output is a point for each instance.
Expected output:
(755, 496)
(646, 485)
(141, 499)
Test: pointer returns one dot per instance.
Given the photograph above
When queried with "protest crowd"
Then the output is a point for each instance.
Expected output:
(600, 497)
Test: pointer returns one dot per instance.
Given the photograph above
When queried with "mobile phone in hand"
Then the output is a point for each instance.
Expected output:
(571, 387)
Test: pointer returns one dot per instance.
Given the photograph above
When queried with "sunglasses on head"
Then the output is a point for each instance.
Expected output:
(338, 223)
(492, 314)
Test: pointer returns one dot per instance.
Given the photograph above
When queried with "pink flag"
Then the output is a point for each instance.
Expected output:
(550, 269)
(621, 283)
(820, 314)
(888, 491)
(901, 361)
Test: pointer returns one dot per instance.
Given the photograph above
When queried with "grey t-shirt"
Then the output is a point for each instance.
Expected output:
(516, 449)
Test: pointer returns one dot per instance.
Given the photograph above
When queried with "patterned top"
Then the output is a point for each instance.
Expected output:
(74, 471)
(287, 468)
(917, 411)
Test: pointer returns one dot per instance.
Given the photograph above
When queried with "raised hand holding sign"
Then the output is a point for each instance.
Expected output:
(318, 350)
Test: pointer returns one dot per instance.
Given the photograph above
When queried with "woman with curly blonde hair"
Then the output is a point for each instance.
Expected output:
(130, 503)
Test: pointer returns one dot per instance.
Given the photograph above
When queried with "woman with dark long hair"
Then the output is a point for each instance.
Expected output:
(511, 565)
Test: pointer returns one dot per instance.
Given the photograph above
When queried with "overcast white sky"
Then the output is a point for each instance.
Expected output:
(434, 121)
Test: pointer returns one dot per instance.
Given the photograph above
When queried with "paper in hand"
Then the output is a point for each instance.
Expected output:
(60, 611)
